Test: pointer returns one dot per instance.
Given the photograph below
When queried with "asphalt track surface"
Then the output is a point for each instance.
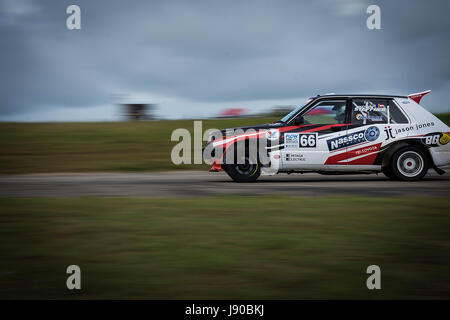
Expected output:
(199, 184)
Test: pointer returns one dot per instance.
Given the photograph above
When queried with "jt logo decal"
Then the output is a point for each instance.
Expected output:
(389, 134)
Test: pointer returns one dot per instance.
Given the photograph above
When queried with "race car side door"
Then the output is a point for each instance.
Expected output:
(372, 123)
(306, 146)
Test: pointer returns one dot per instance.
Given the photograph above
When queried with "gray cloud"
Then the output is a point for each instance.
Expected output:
(211, 53)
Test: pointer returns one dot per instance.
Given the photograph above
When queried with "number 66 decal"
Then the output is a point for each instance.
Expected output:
(308, 140)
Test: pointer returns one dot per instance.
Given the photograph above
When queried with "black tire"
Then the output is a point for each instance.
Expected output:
(409, 164)
(248, 171)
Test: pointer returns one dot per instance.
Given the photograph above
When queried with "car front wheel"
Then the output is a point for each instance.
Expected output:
(409, 164)
(244, 171)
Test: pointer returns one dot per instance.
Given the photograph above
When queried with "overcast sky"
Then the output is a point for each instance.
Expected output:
(194, 58)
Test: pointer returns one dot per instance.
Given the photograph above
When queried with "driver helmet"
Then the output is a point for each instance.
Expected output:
(340, 112)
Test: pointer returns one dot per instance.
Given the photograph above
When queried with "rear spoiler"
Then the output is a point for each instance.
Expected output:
(418, 96)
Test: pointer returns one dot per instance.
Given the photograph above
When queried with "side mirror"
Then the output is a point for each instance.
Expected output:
(299, 121)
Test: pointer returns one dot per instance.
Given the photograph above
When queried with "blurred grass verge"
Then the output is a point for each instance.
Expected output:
(101, 146)
(226, 247)
(90, 147)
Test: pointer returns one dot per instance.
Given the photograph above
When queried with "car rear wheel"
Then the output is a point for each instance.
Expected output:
(245, 170)
(409, 164)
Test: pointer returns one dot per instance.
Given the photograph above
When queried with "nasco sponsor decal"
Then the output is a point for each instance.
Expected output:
(370, 134)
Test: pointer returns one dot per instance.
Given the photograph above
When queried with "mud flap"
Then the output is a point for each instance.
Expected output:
(216, 167)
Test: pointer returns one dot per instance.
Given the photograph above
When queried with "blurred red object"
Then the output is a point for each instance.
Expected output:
(319, 111)
(233, 112)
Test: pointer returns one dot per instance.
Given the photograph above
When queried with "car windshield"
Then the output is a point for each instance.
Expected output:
(293, 112)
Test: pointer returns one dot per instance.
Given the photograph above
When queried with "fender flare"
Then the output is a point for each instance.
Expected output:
(395, 146)
(220, 162)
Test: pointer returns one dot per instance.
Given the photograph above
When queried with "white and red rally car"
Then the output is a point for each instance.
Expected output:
(338, 134)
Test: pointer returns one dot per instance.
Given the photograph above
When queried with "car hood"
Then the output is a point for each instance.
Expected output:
(265, 126)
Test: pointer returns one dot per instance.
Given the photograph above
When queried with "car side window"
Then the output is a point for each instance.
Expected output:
(326, 112)
(369, 111)
(396, 114)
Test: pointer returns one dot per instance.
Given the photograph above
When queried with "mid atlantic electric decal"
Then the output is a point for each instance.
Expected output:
(370, 134)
